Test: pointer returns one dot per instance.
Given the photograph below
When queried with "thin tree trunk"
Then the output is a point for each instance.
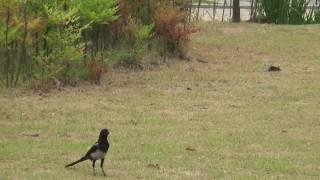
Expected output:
(7, 67)
(255, 10)
(14, 52)
(190, 10)
(199, 6)
(149, 11)
(224, 7)
(214, 8)
(23, 56)
(230, 10)
(251, 10)
(236, 11)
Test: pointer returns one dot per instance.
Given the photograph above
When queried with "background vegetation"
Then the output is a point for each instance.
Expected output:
(53, 43)
(287, 11)
(47, 43)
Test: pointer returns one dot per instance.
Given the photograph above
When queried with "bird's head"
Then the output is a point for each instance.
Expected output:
(104, 133)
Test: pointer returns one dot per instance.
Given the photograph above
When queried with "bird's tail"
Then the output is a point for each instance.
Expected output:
(76, 162)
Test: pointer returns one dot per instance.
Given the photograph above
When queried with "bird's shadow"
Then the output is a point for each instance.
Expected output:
(90, 174)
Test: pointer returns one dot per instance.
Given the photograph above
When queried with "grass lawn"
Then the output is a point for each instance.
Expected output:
(219, 116)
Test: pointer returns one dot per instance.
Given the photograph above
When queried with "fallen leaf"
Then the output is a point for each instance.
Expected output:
(156, 166)
(31, 135)
(190, 149)
(284, 131)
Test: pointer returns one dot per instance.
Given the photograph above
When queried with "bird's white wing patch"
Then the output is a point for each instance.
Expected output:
(98, 154)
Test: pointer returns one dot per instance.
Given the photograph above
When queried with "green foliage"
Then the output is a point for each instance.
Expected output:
(56, 15)
(134, 46)
(317, 16)
(66, 40)
(7, 4)
(83, 73)
(285, 11)
(141, 32)
(276, 11)
(13, 32)
(98, 11)
(63, 44)
(127, 55)
(95, 15)
(2, 30)
(298, 12)
(10, 34)
(49, 67)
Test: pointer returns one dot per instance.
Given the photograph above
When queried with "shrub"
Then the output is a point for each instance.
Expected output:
(172, 31)
(285, 11)
(134, 44)
(62, 46)
(61, 41)
(83, 73)
(298, 12)
(95, 15)
(317, 15)
(96, 70)
(276, 11)
(127, 56)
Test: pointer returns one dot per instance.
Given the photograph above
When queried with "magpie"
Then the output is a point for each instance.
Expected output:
(96, 152)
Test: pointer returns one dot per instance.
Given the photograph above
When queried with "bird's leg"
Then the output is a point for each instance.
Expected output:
(101, 165)
(93, 167)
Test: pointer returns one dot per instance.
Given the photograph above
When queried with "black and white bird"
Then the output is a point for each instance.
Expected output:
(96, 152)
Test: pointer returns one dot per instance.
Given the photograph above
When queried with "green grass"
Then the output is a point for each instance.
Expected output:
(242, 121)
